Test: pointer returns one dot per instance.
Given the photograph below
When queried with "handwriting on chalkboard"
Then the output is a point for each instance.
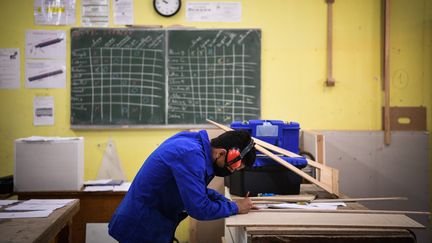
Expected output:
(164, 77)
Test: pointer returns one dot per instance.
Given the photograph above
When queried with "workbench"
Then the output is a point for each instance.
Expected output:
(54, 228)
(95, 207)
(301, 233)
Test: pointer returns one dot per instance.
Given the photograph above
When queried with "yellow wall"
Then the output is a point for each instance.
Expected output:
(293, 71)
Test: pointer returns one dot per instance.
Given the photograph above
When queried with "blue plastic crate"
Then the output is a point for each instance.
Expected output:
(275, 132)
(268, 176)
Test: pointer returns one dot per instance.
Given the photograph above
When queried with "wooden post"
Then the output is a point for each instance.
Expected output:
(330, 80)
(387, 128)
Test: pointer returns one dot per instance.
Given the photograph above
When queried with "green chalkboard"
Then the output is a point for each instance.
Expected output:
(135, 77)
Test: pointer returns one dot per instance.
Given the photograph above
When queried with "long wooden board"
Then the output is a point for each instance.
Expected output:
(321, 230)
(360, 199)
(282, 198)
(387, 127)
(294, 210)
(323, 220)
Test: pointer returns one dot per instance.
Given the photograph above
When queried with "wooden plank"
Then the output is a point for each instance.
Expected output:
(360, 199)
(269, 200)
(341, 210)
(347, 220)
(387, 127)
(320, 157)
(282, 198)
(320, 230)
(294, 169)
(313, 142)
(330, 80)
(407, 118)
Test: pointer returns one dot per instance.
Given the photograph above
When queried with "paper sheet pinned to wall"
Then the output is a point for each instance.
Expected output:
(54, 12)
(43, 111)
(9, 68)
(213, 11)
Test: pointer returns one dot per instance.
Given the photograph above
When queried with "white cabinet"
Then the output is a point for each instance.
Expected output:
(49, 165)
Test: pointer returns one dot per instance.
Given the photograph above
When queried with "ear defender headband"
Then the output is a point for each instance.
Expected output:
(235, 156)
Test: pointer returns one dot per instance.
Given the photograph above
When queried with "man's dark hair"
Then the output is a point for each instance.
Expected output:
(236, 139)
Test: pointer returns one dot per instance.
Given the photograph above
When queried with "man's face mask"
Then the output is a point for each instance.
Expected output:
(221, 172)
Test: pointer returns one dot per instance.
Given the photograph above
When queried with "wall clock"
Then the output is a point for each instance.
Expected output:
(167, 8)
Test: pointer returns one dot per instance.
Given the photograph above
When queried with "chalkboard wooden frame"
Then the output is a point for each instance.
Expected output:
(163, 78)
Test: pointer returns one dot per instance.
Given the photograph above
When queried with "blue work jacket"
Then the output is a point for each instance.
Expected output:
(173, 180)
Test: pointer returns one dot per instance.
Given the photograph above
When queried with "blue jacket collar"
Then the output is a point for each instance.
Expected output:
(207, 149)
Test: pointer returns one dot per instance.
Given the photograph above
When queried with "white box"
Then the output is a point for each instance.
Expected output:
(49, 164)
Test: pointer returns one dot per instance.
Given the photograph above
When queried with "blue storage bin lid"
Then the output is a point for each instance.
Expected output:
(299, 162)
(253, 123)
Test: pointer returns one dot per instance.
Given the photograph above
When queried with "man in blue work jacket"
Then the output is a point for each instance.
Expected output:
(172, 183)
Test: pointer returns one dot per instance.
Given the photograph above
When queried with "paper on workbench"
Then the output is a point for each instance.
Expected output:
(261, 206)
(124, 187)
(98, 188)
(48, 201)
(7, 202)
(31, 214)
(34, 207)
(40, 205)
(97, 182)
(322, 206)
(330, 204)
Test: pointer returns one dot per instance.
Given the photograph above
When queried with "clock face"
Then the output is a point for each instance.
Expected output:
(167, 8)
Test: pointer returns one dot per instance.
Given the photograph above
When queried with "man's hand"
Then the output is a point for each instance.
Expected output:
(245, 205)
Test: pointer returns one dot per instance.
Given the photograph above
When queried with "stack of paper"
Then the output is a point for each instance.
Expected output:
(106, 185)
(316, 206)
(34, 208)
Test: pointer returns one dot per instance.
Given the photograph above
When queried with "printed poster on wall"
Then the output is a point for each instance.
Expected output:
(46, 44)
(45, 63)
(10, 68)
(95, 13)
(43, 113)
(41, 73)
(123, 12)
(54, 12)
(213, 11)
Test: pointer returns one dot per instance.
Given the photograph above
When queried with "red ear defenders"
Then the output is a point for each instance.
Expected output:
(235, 156)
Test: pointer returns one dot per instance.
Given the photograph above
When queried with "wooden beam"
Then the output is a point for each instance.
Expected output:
(313, 142)
(387, 128)
(360, 199)
(320, 156)
(361, 211)
(281, 198)
(343, 220)
(294, 169)
(330, 80)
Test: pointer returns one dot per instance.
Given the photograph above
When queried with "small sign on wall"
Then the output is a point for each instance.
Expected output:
(43, 111)
(213, 11)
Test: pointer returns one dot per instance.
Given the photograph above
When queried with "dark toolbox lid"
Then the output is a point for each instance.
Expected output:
(299, 162)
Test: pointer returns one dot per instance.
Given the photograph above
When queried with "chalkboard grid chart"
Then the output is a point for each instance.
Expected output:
(213, 74)
(117, 77)
(128, 77)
